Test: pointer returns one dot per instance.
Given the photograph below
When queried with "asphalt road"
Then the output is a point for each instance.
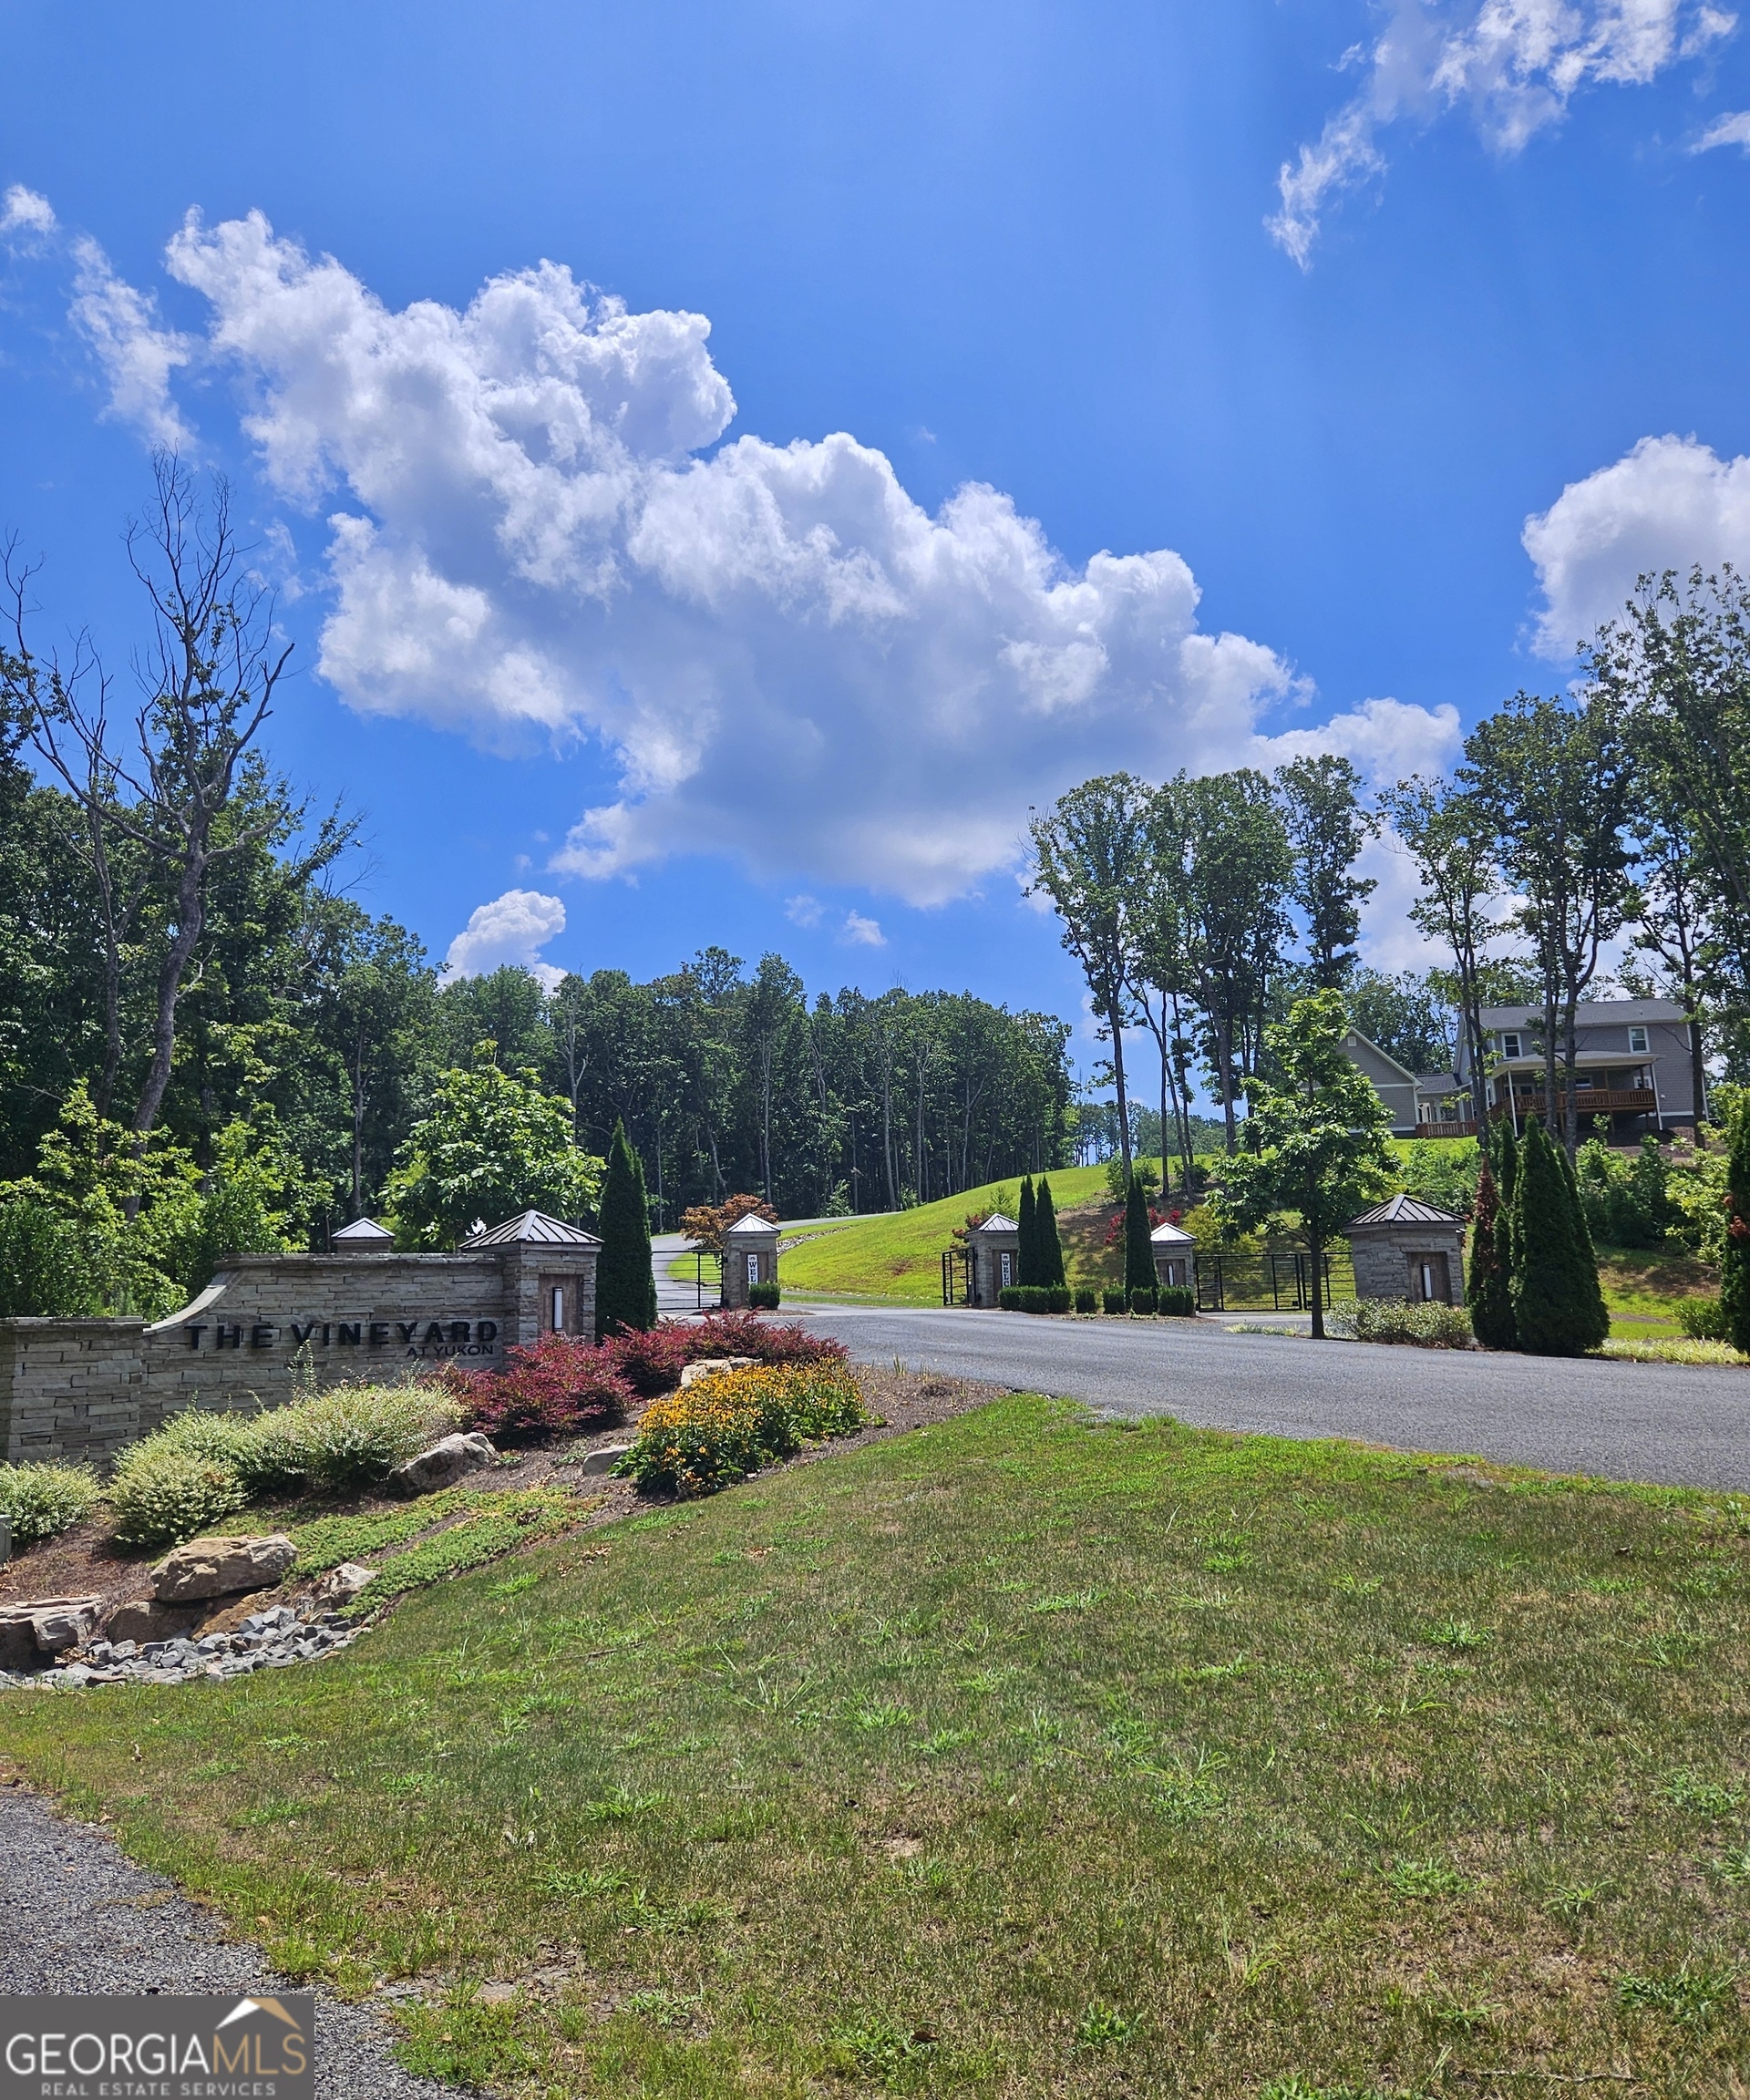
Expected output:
(1686, 1426)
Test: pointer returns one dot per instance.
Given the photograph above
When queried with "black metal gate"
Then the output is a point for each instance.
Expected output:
(1275, 1282)
(956, 1275)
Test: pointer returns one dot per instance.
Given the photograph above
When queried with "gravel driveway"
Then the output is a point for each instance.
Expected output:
(75, 1916)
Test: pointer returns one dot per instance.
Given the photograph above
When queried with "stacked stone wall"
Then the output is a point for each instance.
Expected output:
(83, 1389)
(69, 1389)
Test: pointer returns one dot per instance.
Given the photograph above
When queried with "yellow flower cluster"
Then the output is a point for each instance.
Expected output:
(720, 1428)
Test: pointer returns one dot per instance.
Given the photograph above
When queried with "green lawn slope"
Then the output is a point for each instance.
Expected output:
(1017, 1758)
(897, 1254)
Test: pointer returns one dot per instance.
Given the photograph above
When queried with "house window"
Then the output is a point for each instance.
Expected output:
(1638, 1042)
(1512, 1045)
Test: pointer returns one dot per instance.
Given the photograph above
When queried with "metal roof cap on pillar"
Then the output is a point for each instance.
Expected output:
(532, 1226)
(363, 1236)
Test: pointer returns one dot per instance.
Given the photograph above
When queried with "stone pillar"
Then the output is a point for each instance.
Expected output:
(995, 1248)
(1175, 1256)
(749, 1257)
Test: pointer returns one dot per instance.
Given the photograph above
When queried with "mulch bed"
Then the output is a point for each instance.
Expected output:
(87, 1563)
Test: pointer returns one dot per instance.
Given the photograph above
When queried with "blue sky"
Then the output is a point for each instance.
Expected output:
(1019, 255)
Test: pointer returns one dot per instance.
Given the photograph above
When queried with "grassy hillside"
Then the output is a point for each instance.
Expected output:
(898, 1255)
(1016, 1757)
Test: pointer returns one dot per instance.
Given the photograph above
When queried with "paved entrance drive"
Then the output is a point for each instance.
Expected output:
(1686, 1426)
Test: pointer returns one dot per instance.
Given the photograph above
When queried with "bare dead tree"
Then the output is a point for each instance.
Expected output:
(208, 678)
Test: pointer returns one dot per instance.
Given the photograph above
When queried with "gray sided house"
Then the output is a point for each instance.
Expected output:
(267, 1323)
(1633, 1067)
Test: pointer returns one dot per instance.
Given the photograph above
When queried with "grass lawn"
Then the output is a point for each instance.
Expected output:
(897, 1254)
(1640, 1283)
(1015, 1757)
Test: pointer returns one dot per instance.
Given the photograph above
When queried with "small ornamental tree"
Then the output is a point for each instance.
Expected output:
(706, 1223)
(1138, 1255)
(1320, 1133)
(1555, 1300)
(1027, 1253)
(1488, 1282)
(1735, 1261)
(625, 1283)
(1050, 1246)
(494, 1144)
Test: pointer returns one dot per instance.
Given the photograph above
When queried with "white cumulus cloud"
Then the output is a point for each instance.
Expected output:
(1732, 130)
(27, 212)
(535, 533)
(513, 927)
(1513, 65)
(804, 911)
(1668, 504)
(862, 933)
(137, 355)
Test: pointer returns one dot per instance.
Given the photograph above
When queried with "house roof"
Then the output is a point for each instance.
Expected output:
(1405, 1209)
(997, 1222)
(1170, 1236)
(1589, 1014)
(532, 1225)
(1355, 1036)
(751, 1224)
(362, 1232)
(1438, 1082)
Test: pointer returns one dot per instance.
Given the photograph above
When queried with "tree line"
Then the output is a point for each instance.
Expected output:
(198, 1020)
(1617, 811)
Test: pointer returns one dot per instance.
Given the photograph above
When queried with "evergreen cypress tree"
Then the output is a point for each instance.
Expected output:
(1507, 1176)
(1556, 1298)
(1138, 1255)
(1734, 1262)
(1487, 1277)
(1027, 1256)
(1591, 1298)
(1045, 1231)
(625, 1283)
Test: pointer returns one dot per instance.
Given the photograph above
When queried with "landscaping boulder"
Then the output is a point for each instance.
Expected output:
(341, 1585)
(709, 1367)
(604, 1457)
(39, 1626)
(450, 1459)
(147, 1619)
(221, 1567)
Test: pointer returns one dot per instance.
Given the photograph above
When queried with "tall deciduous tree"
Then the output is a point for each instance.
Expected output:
(1234, 878)
(1327, 827)
(494, 1144)
(1558, 782)
(1089, 856)
(167, 787)
(1450, 837)
(1321, 1134)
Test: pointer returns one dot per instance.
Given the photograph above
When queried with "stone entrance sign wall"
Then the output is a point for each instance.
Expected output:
(82, 1389)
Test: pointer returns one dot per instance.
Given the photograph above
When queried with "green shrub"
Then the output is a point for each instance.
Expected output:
(161, 1493)
(1087, 1301)
(1008, 1298)
(1057, 1297)
(344, 1439)
(1144, 1301)
(1430, 1326)
(39, 1501)
(762, 1297)
(1031, 1298)
(1627, 1203)
(1702, 1319)
(1179, 1300)
(1112, 1301)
